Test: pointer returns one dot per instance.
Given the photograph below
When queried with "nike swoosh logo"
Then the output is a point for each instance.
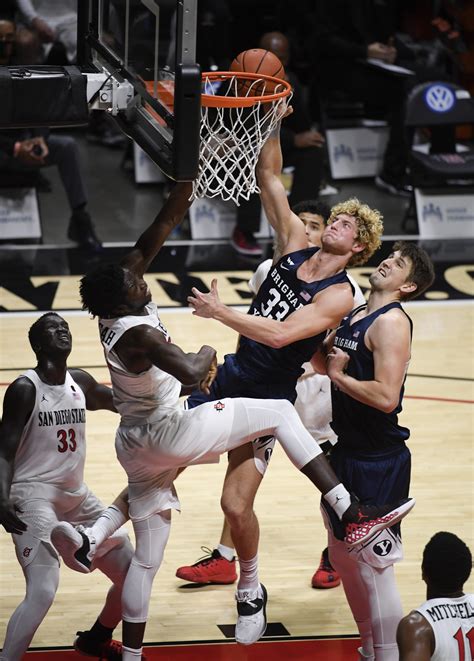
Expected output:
(285, 267)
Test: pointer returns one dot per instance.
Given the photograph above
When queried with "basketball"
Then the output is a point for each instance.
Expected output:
(257, 60)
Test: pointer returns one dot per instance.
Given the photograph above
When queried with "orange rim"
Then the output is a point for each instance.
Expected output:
(216, 101)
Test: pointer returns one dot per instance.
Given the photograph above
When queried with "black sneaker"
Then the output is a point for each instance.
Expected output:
(81, 230)
(400, 188)
(362, 522)
(76, 548)
(252, 615)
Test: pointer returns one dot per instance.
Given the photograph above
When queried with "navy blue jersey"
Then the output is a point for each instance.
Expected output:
(361, 428)
(280, 294)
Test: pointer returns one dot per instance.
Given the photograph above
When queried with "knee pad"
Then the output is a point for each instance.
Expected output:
(382, 550)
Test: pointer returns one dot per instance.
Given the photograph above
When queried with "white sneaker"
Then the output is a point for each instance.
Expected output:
(252, 616)
(74, 545)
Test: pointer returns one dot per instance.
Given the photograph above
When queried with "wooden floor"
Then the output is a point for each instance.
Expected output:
(438, 409)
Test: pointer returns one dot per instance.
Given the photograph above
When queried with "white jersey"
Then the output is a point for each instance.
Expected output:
(145, 397)
(52, 447)
(452, 621)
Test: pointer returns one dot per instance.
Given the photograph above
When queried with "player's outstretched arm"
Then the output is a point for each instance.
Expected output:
(98, 396)
(326, 311)
(415, 638)
(290, 232)
(152, 239)
(17, 407)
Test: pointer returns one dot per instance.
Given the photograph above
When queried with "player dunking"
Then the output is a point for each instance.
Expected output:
(42, 453)
(306, 292)
(156, 436)
(313, 404)
(367, 363)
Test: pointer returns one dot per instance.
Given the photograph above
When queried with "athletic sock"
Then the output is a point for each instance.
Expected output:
(226, 552)
(339, 499)
(129, 654)
(108, 522)
(248, 578)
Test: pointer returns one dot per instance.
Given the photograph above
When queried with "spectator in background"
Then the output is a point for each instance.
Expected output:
(48, 32)
(346, 34)
(301, 148)
(26, 151)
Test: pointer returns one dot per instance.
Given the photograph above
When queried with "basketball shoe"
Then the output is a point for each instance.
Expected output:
(212, 568)
(77, 546)
(325, 575)
(252, 615)
(245, 243)
(107, 650)
(362, 522)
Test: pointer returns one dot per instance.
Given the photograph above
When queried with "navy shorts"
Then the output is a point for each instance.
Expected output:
(376, 479)
(231, 381)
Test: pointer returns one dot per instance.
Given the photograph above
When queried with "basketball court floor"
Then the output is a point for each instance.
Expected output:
(196, 622)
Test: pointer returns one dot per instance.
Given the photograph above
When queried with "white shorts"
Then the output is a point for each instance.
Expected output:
(152, 454)
(44, 506)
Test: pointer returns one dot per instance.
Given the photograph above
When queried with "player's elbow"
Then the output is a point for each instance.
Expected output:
(387, 404)
(278, 339)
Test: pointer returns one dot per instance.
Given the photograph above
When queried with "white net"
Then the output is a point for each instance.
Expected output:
(232, 137)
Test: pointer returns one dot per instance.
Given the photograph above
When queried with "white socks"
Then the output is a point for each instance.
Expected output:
(339, 499)
(226, 552)
(108, 522)
(248, 579)
(131, 655)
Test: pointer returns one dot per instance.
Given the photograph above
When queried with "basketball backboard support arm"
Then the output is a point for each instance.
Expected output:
(162, 115)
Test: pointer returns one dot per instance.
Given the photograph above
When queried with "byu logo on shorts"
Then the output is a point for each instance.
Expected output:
(439, 98)
(383, 548)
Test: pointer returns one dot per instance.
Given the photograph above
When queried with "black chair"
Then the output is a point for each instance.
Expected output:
(438, 108)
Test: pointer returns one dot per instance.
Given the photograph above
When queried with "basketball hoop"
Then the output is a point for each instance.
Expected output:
(239, 110)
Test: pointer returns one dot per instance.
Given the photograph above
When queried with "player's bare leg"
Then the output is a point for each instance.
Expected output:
(241, 484)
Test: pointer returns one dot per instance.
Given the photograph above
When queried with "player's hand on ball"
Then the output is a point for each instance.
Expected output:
(205, 384)
(336, 362)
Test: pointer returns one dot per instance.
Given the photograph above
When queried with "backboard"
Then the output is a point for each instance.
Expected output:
(147, 48)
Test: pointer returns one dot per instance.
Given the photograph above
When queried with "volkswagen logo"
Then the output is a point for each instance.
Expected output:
(439, 98)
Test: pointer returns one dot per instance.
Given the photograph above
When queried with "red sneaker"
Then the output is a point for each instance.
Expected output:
(325, 575)
(213, 568)
(245, 243)
(109, 650)
(362, 522)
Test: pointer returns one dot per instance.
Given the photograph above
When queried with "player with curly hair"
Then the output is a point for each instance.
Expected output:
(306, 292)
